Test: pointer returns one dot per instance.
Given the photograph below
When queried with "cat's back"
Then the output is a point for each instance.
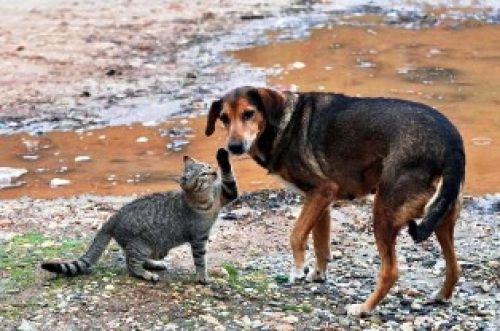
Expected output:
(151, 213)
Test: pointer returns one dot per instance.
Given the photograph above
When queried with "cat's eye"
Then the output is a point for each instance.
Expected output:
(224, 119)
(247, 115)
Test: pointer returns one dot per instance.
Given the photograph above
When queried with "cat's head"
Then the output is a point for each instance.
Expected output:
(197, 176)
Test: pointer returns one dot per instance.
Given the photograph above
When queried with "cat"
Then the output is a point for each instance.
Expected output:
(147, 228)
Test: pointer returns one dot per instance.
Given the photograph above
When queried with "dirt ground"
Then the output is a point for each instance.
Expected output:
(121, 85)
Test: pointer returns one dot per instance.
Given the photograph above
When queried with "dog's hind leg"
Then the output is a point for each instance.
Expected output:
(385, 237)
(315, 204)
(321, 237)
(444, 234)
(398, 200)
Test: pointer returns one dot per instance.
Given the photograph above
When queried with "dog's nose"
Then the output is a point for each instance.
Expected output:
(235, 147)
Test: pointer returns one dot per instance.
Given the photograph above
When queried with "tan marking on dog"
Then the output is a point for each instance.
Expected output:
(412, 209)
(239, 129)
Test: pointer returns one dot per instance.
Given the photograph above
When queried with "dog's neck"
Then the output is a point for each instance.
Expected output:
(268, 148)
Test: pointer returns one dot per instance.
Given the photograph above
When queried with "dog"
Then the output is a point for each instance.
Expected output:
(333, 146)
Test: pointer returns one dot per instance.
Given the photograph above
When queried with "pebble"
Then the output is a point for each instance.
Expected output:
(109, 287)
(57, 182)
(142, 140)
(298, 65)
(27, 326)
(8, 176)
(291, 319)
(82, 158)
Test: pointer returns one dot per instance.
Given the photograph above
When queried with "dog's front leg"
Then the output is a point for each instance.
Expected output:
(321, 237)
(315, 204)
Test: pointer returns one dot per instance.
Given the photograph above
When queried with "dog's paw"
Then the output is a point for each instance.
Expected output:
(316, 276)
(296, 275)
(357, 310)
(437, 297)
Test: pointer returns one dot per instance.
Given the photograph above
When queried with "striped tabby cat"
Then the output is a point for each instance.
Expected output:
(149, 227)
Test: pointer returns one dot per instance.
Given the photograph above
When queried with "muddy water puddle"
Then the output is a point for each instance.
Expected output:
(117, 160)
(456, 70)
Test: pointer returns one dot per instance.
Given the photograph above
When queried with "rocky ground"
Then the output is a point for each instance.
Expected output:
(84, 64)
(248, 261)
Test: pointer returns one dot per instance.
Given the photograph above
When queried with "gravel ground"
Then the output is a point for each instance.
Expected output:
(248, 260)
(93, 63)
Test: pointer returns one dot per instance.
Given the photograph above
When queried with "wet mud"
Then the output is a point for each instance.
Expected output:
(119, 160)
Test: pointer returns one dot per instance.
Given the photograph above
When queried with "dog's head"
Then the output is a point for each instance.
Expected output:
(245, 112)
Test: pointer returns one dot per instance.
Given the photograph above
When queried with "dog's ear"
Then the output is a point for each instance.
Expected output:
(270, 102)
(213, 115)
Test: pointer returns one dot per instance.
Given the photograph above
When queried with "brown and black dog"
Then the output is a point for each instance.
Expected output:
(332, 146)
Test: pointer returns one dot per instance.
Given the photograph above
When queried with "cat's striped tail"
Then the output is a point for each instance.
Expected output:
(84, 263)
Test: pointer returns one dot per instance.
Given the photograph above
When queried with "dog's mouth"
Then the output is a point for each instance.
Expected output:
(239, 147)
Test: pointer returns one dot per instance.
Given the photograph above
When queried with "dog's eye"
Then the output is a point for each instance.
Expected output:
(224, 119)
(247, 115)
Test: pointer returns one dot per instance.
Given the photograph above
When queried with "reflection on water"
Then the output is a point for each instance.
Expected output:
(456, 70)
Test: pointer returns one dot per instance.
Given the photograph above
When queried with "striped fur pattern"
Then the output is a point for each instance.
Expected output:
(147, 228)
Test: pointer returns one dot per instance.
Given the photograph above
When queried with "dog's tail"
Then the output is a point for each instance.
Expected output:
(84, 263)
(444, 199)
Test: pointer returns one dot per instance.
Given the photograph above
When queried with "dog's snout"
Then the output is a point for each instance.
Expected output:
(235, 147)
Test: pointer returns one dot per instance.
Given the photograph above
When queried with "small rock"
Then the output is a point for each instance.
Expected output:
(336, 254)
(485, 287)
(56, 182)
(82, 158)
(245, 320)
(142, 140)
(109, 287)
(298, 65)
(27, 326)
(5, 222)
(407, 326)
(284, 327)
(31, 157)
(210, 319)
(416, 306)
(291, 319)
(9, 175)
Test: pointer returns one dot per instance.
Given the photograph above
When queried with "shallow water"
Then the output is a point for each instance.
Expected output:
(121, 160)
(455, 69)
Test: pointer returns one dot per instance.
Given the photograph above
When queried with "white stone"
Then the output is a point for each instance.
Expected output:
(82, 158)
(298, 65)
(56, 182)
(291, 319)
(8, 176)
(109, 287)
(142, 140)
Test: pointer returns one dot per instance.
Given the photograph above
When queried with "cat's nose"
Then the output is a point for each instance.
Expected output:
(235, 147)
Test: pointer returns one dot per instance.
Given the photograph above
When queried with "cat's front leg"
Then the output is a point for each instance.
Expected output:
(198, 249)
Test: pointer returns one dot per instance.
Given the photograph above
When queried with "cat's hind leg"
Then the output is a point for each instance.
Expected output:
(137, 254)
(155, 265)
